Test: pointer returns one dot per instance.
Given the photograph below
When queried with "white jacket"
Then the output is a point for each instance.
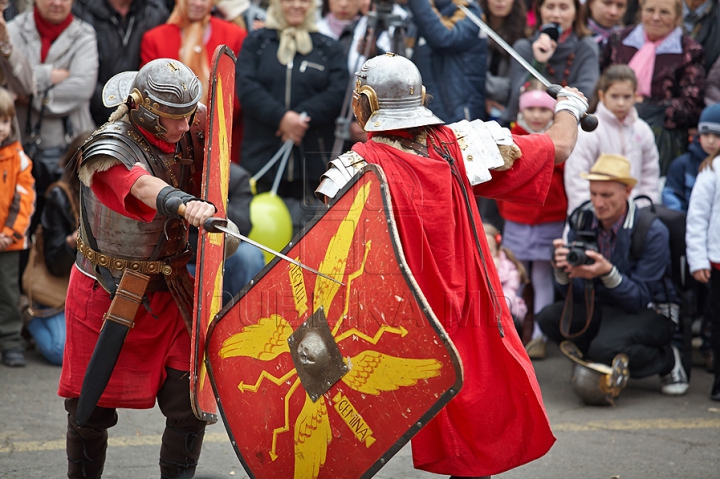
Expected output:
(702, 236)
(631, 138)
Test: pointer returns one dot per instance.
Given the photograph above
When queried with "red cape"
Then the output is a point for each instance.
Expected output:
(497, 421)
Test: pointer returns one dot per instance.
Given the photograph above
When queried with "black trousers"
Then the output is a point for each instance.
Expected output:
(715, 318)
(644, 336)
(181, 441)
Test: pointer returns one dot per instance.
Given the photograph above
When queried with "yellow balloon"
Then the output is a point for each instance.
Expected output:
(271, 222)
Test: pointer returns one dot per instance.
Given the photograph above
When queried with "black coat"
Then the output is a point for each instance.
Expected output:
(317, 86)
(707, 34)
(118, 41)
(58, 222)
(452, 62)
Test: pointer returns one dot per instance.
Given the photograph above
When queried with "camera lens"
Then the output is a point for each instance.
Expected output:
(576, 257)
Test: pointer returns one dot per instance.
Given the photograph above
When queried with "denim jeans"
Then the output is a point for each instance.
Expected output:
(49, 335)
(240, 268)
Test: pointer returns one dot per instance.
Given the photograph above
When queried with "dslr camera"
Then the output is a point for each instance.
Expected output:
(576, 255)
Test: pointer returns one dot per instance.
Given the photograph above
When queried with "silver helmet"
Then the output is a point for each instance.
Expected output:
(162, 88)
(594, 383)
(393, 86)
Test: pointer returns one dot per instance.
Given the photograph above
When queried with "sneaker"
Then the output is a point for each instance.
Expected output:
(536, 348)
(675, 383)
(14, 358)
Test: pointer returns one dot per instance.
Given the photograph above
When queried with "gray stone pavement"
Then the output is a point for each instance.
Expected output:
(647, 435)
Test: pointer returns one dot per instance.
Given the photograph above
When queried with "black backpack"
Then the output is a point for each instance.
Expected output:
(675, 223)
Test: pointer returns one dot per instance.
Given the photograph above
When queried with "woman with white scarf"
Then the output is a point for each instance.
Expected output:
(284, 70)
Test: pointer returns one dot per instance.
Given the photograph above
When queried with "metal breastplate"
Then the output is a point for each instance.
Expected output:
(116, 235)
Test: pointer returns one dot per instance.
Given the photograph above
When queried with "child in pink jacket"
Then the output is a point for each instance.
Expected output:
(620, 131)
(512, 275)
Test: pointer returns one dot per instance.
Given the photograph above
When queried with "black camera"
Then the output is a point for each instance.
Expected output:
(384, 6)
(587, 240)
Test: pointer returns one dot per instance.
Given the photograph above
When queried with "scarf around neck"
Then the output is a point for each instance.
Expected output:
(162, 145)
(336, 25)
(49, 32)
(192, 43)
(292, 39)
(600, 33)
(643, 64)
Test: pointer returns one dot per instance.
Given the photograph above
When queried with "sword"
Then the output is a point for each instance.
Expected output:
(588, 122)
(117, 322)
(215, 225)
(218, 225)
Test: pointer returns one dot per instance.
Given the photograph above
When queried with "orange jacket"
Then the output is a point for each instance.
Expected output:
(17, 195)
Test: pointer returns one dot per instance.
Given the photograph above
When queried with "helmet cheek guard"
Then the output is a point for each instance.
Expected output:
(369, 93)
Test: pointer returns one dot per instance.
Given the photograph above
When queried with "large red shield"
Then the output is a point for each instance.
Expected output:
(211, 246)
(320, 379)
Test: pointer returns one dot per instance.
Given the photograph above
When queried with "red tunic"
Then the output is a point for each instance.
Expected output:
(150, 346)
(498, 420)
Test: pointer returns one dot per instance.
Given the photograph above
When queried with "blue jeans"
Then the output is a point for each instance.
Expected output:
(49, 334)
(240, 268)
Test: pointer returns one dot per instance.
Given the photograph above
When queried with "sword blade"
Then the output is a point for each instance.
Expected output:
(276, 253)
(510, 50)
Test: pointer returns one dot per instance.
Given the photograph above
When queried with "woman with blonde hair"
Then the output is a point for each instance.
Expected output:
(284, 70)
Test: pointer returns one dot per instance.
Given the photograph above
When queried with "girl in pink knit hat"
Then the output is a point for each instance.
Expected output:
(529, 230)
(536, 111)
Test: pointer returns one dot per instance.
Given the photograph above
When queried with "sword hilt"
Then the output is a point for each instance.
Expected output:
(210, 223)
(588, 122)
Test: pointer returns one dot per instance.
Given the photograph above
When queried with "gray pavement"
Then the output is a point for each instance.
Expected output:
(647, 435)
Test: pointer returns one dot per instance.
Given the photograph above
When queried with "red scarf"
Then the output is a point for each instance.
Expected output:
(163, 145)
(48, 32)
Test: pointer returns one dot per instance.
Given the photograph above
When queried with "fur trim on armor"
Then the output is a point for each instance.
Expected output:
(89, 168)
(119, 114)
(509, 154)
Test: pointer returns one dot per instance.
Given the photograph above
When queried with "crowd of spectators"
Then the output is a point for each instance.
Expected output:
(650, 66)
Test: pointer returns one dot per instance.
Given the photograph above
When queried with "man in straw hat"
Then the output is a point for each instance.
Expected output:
(629, 304)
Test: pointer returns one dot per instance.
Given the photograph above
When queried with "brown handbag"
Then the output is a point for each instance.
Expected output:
(41, 287)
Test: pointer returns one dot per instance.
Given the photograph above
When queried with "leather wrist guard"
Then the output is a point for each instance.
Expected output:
(169, 200)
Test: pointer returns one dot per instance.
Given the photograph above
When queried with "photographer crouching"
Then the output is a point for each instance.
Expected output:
(622, 303)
